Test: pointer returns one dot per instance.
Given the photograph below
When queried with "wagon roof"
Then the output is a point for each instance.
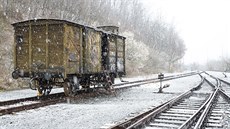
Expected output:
(55, 21)
(44, 20)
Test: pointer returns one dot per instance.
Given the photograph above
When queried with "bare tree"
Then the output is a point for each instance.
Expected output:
(164, 45)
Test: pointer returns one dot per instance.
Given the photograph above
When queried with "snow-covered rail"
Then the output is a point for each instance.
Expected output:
(224, 86)
(11, 106)
(192, 109)
(152, 80)
(216, 112)
(179, 112)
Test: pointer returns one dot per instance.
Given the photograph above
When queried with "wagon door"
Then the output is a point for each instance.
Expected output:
(38, 41)
(73, 45)
(112, 53)
(120, 55)
(92, 51)
(47, 47)
(22, 48)
(55, 47)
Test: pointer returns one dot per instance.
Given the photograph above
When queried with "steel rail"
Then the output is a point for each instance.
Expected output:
(34, 98)
(146, 116)
(204, 114)
(228, 83)
(198, 118)
(227, 97)
(31, 106)
(154, 80)
(220, 90)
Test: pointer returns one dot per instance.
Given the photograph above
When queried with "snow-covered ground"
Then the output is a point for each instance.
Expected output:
(220, 75)
(93, 113)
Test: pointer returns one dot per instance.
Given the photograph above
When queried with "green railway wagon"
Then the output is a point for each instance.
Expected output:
(58, 52)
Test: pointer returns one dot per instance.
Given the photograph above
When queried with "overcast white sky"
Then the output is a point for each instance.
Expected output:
(203, 24)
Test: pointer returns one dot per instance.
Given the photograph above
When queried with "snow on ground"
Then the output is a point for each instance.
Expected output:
(205, 88)
(92, 113)
(181, 85)
(210, 79)
(220, 75)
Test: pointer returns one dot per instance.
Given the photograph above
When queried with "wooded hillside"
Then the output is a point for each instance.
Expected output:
(152, 45)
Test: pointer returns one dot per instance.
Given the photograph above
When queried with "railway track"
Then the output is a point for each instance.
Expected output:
(217, 112)
(225, 87)
(164, 115)
(12, 106)
(192, 109)
(17, 105)
(153, 80)
(218, 116)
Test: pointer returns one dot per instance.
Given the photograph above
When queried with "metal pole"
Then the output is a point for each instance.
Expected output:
(160, 89)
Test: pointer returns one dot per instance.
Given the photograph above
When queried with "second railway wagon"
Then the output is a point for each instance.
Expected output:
(58, 52)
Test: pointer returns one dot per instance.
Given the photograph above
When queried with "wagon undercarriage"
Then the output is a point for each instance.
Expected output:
(73, 83)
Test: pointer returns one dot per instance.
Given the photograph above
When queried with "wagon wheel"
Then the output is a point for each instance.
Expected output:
(68, 88)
